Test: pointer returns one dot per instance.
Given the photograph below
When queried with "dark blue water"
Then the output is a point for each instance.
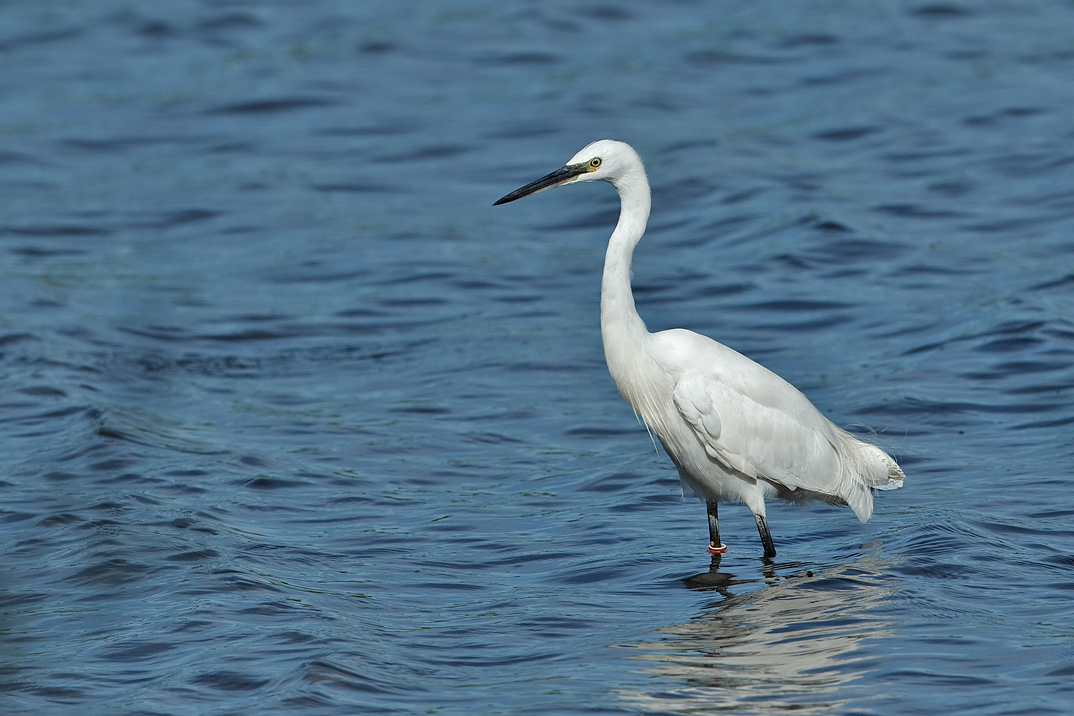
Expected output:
(293, 421)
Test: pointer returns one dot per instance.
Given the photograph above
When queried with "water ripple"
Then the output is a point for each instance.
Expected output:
(294, 420)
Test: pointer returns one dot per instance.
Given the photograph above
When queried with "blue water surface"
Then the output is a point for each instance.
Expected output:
(293, 421)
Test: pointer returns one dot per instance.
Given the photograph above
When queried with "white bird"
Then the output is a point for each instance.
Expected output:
(734, 429)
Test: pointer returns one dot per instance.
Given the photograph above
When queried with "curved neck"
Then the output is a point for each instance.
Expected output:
(620, 325)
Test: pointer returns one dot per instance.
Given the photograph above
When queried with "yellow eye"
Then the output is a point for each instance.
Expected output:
(594, 162)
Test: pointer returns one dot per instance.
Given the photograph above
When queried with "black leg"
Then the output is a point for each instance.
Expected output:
(766, 537)
(715, 545)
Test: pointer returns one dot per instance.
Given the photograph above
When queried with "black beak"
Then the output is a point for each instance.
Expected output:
(556, 178)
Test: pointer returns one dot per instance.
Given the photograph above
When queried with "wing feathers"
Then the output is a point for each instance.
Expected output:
(788, 443)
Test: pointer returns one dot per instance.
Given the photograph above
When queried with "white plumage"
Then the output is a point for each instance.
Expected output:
(734, 429)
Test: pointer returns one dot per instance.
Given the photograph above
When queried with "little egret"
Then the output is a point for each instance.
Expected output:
(734, 429)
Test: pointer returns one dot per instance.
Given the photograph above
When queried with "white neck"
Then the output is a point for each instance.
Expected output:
(620, 325)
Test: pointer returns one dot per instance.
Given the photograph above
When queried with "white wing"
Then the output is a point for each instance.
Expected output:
(762, 428)
(751, 421)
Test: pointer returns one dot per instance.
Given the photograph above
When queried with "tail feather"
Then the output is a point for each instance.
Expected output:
(865, 468)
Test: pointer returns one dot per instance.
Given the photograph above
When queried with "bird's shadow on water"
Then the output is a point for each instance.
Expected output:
(714, 579)
(788, 636)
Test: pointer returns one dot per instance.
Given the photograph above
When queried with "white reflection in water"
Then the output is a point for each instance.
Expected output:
(788, 645)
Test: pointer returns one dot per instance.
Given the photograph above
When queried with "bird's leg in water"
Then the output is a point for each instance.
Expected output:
(766, 538)
(715, 545)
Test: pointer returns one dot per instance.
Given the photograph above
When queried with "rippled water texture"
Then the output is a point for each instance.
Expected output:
(293, 421)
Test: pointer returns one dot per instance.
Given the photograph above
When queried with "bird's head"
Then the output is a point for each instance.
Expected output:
(603, 160)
